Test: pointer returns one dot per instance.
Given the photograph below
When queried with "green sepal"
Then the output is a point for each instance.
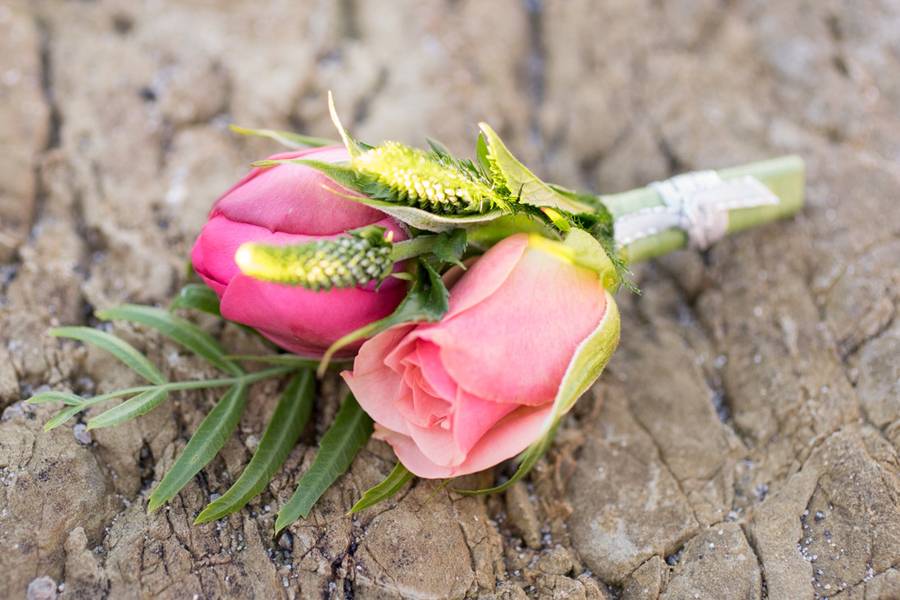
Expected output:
(427, 301)
(520, 181)
(584, 369)
(450, 247)
(285, 138)
(393, 483)
(349, 432)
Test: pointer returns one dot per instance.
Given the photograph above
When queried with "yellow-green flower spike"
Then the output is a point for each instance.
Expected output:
(414, 177)
(343, 262)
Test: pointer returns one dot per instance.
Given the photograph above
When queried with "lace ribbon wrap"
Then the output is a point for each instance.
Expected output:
(697, 203)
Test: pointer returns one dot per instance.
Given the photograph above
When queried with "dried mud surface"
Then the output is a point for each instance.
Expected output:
(744, 441)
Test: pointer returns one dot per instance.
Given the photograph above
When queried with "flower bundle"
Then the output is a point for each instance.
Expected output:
(475, 300)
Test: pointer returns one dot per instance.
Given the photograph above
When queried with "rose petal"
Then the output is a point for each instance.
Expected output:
(295, 198)
(537, 317)
(376, 387)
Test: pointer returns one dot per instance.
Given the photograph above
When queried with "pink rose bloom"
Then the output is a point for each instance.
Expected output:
(477, 388)
(291, 204)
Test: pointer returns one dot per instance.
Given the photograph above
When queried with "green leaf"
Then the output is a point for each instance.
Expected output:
(196, 296)
(209, 438)
(120, 349)
(450, 246)
(132, 408)
(285, 138)
(519, 180)
(427, 301)
(285, 426)
(180, 330)
(349, 432)
(63, 416)
(586, 365)
(393, 483)
(53, 396)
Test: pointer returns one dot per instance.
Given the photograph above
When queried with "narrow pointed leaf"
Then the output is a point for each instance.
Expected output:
(393, 483)
(350, 431)
(285, 426)
(119, 348)
(179, 330)
(203, 446)
(196, 296)
(63, 416)
(132, 408)
(351, 144)
(53, 396)
(285, 138)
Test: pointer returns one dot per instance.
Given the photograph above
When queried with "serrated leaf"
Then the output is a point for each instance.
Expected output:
(132, 408)
(285, 426)
(54, 396)
(196, 296)
(481, 154)
(426, 301)
(350, 431)
(285, 138)
(587, 364)
(179, 330)
(119, 348)
(203, 446)
(393, 483)
(450, 246)
(519, 180)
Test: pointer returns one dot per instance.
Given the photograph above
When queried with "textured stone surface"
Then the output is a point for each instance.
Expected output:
(753, 405)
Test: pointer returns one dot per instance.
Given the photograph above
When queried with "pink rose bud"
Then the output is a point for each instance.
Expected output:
(478, 387)
(291, 204)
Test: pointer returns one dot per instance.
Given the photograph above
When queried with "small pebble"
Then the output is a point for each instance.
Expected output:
(82, 435)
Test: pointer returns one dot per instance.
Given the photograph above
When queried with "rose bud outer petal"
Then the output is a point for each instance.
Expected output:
(294, 198)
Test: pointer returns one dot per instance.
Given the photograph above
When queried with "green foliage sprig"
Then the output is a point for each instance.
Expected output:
(347, 434)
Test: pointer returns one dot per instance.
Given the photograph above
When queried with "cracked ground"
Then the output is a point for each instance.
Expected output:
(743, 442)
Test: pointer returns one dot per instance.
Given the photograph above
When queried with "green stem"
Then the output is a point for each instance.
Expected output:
(193, 384)
(414, 247)
(784, 176)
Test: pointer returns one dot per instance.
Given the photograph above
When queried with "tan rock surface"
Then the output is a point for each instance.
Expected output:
(744, 440)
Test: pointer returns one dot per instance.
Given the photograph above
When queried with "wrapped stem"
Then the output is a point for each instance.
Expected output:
(783, 177)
